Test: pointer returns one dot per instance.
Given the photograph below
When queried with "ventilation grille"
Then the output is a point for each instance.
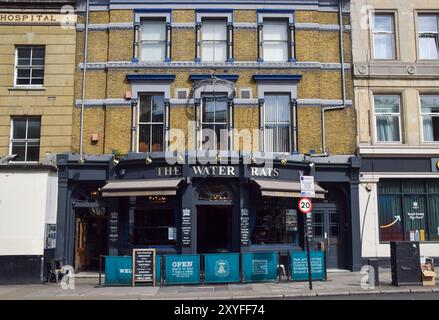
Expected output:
(246, 94)
(182, 94)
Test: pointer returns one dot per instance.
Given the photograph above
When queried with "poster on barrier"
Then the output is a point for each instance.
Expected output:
(182, 269)
(118, 271)
(261, 266)
(221, 268)
(299, 265)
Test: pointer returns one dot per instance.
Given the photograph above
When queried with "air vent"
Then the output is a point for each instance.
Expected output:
(182, 94)
(246, 94)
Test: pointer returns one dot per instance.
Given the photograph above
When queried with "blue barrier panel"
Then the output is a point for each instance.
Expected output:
(118, 271)
(158, 269)
(261, 266)
(221, 268)
(299, 265)
(182, 269)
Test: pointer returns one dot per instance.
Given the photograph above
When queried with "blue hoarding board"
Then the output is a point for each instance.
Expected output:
(118, 271)
(299, 265)
(261, 266)
(221, 268)
(158, 269)
(182, 269)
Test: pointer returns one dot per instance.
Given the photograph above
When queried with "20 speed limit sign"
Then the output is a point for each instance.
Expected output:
(305, 205)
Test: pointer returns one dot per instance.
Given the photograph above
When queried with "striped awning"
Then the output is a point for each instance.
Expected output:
(152, 187)
(285, 189)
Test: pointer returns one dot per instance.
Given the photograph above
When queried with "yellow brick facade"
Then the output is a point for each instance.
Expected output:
(113, 123)
(54, 100)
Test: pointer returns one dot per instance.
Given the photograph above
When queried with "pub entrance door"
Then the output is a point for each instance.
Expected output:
(328, 229)
(214, 229)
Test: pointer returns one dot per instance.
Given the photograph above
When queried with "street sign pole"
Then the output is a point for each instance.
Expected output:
(305, 206)
(308, 257)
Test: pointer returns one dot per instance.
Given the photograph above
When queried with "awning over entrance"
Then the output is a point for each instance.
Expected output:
(159, 187)
(285, 189)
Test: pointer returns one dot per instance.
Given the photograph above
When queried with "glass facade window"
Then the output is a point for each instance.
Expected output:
(214, 40)
(153, 40)
(384, 37)
(387, 118)
(277, 115)
(154, 227)
(214, 123)
(275, 40)
(408, 210)
(276, 223)
(25, 138)
(29, 66)
(428, 36)
(151, 123)
(430, 118)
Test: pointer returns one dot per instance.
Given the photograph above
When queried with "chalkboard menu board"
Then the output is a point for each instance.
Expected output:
(186, 227)
(244, 227)
(144, 266)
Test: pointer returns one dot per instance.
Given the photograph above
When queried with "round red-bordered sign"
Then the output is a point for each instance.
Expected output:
(305, 205)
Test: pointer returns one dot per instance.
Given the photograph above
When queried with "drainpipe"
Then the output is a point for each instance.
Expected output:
(343, 80)
(84, 71)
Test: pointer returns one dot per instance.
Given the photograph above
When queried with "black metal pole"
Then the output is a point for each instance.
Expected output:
(308, 256)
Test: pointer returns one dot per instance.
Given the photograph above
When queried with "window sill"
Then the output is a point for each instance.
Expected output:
(27, 88)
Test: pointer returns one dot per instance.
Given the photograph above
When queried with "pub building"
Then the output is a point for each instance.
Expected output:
(156, 72)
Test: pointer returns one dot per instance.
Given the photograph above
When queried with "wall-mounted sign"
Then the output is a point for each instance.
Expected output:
(36, 18)
(186, 228)
(114, 227)
(168, 171)
(264, 172)
(222, 171)
(244, 227)
(144, 266)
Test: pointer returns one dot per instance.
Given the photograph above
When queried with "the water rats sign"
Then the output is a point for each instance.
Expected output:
(182, 269)
(299, 265)
(221, 268)
(259, 266)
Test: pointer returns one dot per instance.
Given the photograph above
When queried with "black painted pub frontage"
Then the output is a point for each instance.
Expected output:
(109, 207)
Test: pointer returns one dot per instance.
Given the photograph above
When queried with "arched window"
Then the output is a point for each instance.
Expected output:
(214, 192)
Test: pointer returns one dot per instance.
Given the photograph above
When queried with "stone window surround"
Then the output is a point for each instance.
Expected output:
(200, 14)
(276, 14)
(417, 14)
(144, 14)
(394, 13)
(374, 127)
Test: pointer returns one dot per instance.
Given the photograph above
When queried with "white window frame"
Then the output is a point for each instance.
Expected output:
(290, 138)
(286, 42)
(393, 33)
(26, 140)
(428, 115)
(227, 123)
(30, 67)
(223, 42)
(161, 42)
(375, 114)
(163, 123)
(436, 14)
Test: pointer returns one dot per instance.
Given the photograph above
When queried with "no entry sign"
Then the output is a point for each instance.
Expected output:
(305, 205)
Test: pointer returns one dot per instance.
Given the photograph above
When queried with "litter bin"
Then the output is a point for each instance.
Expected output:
(374, 263)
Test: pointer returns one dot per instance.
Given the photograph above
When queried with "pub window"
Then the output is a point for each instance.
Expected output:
(153, 40)
(277, 125)
(430, 118)
(408, 210)
(275, 39)
(151, 123)
(154, 227)
(29, 65)
(388, 118)
(25, 138)
(429, 36)
(276, 223)
(214, 40)
(214, 122)
(384, 36)
(215, 192)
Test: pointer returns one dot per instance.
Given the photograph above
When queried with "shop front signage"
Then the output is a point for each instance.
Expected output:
(264, 172)
(245, 219)
(227, 171)
(144, 266)
(299, 265)
(186, 228)
(182, 269)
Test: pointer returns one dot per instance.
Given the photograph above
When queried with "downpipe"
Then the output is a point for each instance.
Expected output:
(84, 72)
(343, 80)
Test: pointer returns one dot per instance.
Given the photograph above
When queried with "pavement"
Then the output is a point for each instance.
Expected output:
(339, 284)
